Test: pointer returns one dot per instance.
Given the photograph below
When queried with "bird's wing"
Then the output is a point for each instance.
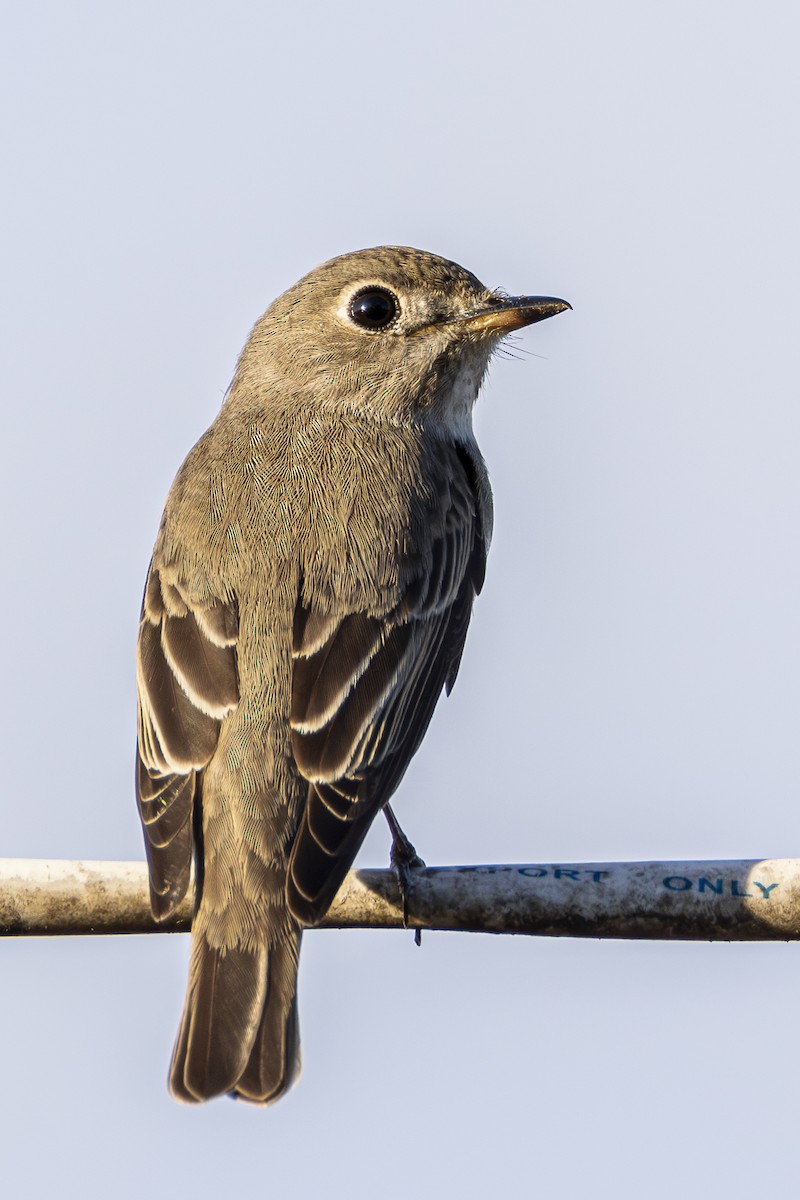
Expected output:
(186, 681)
(364, 690)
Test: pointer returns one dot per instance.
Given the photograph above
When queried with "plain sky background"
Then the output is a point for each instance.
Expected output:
(631, 685)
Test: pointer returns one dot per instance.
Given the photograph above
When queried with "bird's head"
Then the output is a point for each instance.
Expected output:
(391, 331)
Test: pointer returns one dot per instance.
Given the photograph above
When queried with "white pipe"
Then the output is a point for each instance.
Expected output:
(739, 900)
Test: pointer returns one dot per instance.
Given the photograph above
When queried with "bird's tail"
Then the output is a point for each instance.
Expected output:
(239, 1032)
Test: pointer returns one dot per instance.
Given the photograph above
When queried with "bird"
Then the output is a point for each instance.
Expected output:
(306, 604)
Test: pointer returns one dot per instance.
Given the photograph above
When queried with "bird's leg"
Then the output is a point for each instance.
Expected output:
(403, 853)
(404, 859)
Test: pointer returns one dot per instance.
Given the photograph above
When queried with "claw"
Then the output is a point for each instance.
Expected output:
(404, 860)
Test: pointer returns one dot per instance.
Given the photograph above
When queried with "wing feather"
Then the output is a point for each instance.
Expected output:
(186, 679)
(364, 691)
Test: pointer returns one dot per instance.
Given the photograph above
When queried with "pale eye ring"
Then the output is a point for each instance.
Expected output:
(374, 308)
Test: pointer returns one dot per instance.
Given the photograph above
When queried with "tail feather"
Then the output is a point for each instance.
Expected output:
(238, 1003)
(274, 1063)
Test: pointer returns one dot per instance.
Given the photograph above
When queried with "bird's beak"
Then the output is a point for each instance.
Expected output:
(513, 312)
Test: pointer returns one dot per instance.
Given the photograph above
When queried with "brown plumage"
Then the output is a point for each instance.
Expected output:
(307, 601)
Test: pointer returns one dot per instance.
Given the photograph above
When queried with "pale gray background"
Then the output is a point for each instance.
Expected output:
(630, 687)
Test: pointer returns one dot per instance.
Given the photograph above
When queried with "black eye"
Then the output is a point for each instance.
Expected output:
(374, 308)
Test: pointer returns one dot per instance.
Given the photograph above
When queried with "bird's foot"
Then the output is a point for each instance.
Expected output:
(404, 861)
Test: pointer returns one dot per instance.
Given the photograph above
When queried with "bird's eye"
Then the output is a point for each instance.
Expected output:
(374, 308)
